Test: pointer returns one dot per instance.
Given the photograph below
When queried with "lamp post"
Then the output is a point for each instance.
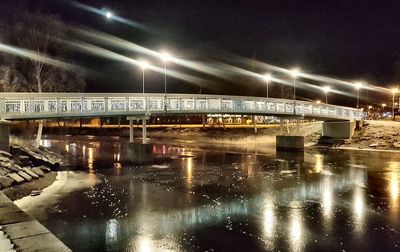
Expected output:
(326, 90)
(267, 78)
(166, 57)
(295, 73)
(143, 66)
(358, 86)
(394, 91)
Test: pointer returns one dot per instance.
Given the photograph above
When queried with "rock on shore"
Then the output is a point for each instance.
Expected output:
(24, 164)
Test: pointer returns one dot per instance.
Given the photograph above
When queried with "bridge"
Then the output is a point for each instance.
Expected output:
(26, 106)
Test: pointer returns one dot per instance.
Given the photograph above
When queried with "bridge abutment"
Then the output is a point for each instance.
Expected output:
(5, 135)
(338, 129)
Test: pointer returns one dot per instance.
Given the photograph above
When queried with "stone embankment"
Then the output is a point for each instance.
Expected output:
(23, 165)
(19, 231)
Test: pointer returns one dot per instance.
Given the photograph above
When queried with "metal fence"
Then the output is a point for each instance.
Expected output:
(61, 105)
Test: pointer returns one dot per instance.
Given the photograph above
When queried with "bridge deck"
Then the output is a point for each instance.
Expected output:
(21, 106)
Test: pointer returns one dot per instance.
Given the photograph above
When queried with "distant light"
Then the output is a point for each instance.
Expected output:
(109, 14)
(165, 56)
(318, 101)
(267, 77)
(370, 107)
(143, 64)
(383, 105)
(327, 89)
(295, 72)
(358, 85)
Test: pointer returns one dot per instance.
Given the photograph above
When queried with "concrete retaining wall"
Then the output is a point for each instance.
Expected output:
(24, 232)
(338, 129)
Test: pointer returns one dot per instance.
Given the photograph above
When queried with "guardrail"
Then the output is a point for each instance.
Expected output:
(18, 106)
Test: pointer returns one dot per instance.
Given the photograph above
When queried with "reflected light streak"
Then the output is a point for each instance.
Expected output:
(269, 219)
(327, 199)
(90, 159)
(144, 244)
(319, 160)
(323, 79)
(37, 57)
(105, 53)
(358, 209)
(296, 230)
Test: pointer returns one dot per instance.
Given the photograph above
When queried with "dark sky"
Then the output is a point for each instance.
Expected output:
(344, 39)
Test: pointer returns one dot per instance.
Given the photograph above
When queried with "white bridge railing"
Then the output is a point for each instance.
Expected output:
(60, 105)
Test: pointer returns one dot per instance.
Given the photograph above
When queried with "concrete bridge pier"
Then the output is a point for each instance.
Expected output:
(5, 135)
(138, 152)
(290, 142)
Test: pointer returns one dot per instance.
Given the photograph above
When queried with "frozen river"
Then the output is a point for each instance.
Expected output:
(209, 198)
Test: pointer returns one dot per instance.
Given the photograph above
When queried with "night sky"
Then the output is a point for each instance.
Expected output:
(342, 39)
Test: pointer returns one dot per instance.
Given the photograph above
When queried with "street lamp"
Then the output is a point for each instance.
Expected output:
(394, 91)
(109, 14)
(165, 57)
(267, 78)
(295, 73)
(358, 86)
(143, 65)
(326, 90)
(318, 101)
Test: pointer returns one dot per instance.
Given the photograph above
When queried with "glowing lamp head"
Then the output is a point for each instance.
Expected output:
(143, 64)
(358, 85)
(395, 90)
(369, 107)
(383, 105)
(327, 89)
(318, 101)
(109, 14)
(165, 56)
(295, 72)
(267, 77)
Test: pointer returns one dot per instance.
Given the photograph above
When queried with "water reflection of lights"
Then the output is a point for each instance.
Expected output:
(393, 185)
(117, 157)
(144, 244)
(188, 164)
(327, 198)
(358, 208)
(319, 160)
(84, 152)
(112, 232)
(296, 232)
(269, 220)
(90, 159)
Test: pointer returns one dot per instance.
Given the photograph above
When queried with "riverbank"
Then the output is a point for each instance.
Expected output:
(26, 169)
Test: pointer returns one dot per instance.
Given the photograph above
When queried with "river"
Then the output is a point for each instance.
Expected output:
(213, 198)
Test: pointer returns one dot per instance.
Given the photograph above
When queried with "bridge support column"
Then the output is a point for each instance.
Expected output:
(254, 123)
(130, 129)
(297, 126)
(138, 152)
(5, 135)
(144, 130)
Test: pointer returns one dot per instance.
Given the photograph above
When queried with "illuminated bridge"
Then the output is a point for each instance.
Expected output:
(25, 106)
(22, 106)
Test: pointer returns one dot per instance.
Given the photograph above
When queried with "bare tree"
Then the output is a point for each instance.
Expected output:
(43, 35)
